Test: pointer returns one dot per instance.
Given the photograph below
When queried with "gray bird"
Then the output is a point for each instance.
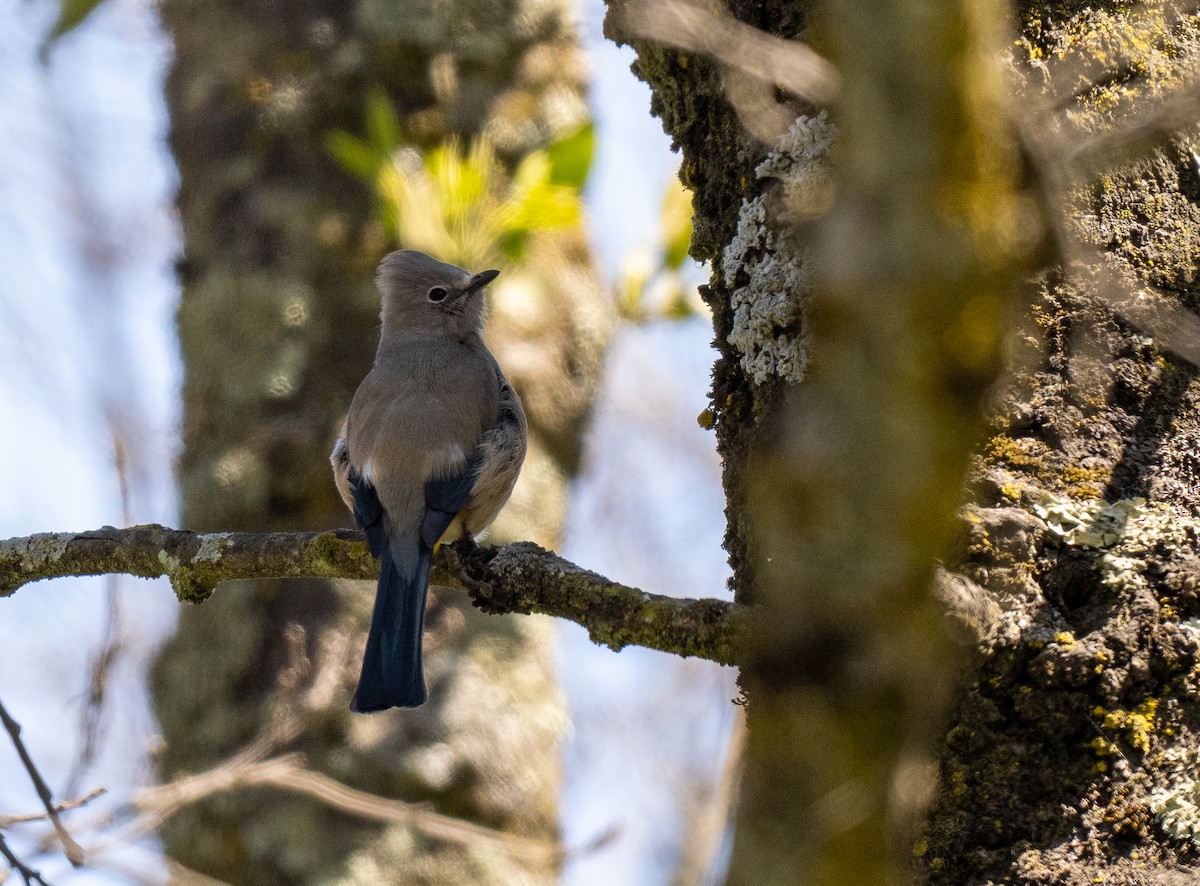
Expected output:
(430, 451)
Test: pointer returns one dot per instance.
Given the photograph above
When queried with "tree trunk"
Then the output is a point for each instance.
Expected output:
(279, 323)
(846, 417)
(1072, 748)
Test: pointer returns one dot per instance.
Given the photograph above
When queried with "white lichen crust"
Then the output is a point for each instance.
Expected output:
(1128, 531)
(1176, 805)
(768, 328)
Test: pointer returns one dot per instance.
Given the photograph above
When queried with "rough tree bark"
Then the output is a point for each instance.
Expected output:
(1071, 752)
(1065, 757)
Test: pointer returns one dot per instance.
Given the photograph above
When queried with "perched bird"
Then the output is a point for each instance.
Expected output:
(430, 451)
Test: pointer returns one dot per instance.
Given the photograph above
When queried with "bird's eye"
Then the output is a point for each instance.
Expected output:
(438, 293)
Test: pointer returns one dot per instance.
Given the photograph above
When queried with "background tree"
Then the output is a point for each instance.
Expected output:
(278, 322)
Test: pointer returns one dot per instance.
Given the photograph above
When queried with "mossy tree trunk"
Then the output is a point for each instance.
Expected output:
(279, 322)
(849, 425)
(1072, 748)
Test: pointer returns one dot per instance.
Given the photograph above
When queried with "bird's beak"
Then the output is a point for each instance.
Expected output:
(478, 281)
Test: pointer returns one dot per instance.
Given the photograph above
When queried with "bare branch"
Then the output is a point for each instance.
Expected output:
(514, 578)
(28, 874)
(712, 816)
(771, 60)
(181, 875)
(305, 688)
(525, 578)
(1143, 128)
(7, 821)
(112, 644)
(1065, 157)
(1173, 327)
(73, 850)
(91, 719)
(288, 772)
(194, 563)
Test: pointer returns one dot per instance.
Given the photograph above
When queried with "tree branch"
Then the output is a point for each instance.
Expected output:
(288, 772)
(28, 874)
(7, 821)
(522, 578)
(73, 850)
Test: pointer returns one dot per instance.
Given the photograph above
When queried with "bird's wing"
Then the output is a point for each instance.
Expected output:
(339, 460)
(501, 452)
(368, 512)
(446, 496)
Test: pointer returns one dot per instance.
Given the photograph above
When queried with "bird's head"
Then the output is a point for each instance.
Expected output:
(421, 293)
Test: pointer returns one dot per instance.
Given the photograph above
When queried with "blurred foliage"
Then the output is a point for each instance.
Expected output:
(458, 203)
(71, 13)
(655, 283)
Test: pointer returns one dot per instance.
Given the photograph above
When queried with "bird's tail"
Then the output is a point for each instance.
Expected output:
(392, 673)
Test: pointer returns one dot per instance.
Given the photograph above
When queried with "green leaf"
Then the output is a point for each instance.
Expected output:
(463, 180)
(678, 307)
(676, 225)
(636, 272)
(535, 203)
(71, 13)
(545, 209)
(357, 157)
(512, 244)
(571, 157)
(383, 127)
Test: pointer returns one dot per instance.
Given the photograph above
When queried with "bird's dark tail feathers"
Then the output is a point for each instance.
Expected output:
(392, 673)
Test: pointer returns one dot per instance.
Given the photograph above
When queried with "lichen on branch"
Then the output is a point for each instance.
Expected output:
(521, 578)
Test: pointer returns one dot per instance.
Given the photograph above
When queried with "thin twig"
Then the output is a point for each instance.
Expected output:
(111, 644)
(27, 873)
(772, 60)
(1064, 158)
(111, 647)
(1145, 127)
(253, 765)
(73, 850)
(1079, 73)
(181, 875)
(288, 774)
(7, 821)
(713, 816)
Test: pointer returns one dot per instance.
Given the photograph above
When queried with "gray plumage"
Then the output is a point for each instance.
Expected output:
(430, 450)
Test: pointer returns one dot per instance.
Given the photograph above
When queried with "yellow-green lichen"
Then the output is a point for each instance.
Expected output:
(1134, 726)
(1084, 482)
(1102, 747)
(1024, 454)
(1011, 491)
